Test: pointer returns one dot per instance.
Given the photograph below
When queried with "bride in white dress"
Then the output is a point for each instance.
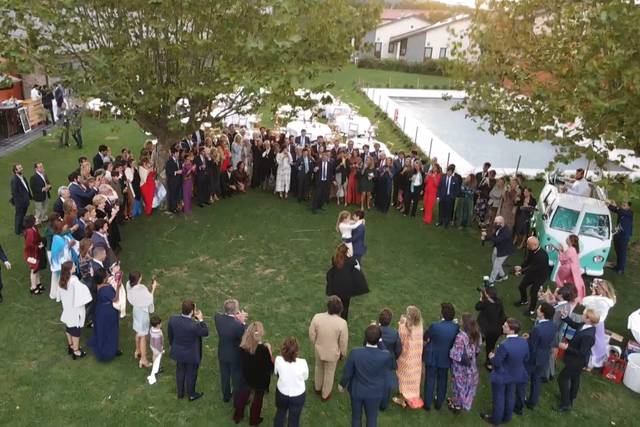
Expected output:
(344, 226)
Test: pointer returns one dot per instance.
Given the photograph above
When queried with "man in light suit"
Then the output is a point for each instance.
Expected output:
(540, 343)
(303, 140)
(509, 372)
(365, 375)
(329, 334)
(448, 189)
(230, 325)
(357, 238)
(40, 187)
(20, 196)
(439, 339)
(185, 338)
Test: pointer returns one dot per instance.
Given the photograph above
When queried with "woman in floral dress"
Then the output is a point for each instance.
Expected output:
(463, 367)
(410, 360)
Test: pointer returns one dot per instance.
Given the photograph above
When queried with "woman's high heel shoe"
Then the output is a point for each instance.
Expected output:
(75, 356)
(143, 364)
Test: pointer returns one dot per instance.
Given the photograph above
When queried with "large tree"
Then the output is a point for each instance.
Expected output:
(144, 56)
(567, 71)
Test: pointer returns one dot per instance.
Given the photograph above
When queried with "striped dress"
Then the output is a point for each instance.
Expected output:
(410, 361)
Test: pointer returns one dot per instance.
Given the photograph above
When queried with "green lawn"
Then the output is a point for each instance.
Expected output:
(272, 255)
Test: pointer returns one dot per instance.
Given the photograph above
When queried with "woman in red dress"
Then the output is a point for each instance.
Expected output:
(32, 250)
(353, 197)
(147, 185)
(431, 192)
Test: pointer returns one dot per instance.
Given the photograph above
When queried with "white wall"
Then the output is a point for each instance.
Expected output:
(440, 37)
(384, 33)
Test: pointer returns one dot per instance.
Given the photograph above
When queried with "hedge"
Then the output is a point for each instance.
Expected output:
(428, 66)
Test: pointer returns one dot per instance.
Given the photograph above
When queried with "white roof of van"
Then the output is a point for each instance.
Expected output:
(579, 203)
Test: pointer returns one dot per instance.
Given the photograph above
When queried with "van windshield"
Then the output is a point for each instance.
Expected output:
(565, 219)
(595, 225)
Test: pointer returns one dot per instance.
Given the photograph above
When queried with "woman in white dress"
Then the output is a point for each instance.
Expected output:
(141, 299)
(601, 300)
(344, 226)
(237, 148)
(73, 295)
(283, 177)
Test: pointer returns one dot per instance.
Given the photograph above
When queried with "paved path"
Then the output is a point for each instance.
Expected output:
(21, 140)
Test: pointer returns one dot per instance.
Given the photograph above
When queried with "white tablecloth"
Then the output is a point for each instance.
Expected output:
(314, 129)
(332, 111)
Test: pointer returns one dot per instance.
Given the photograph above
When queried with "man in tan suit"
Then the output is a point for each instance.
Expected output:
(329, 334)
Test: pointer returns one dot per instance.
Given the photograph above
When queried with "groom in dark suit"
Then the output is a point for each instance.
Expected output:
(358, 236)
(173, 169)
(185, 338)
(230, 326)
(20, 196)
(439, 339)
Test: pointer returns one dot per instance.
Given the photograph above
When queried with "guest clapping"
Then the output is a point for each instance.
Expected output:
(230, 325)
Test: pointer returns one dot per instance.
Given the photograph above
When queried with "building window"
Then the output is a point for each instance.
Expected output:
(403, 47)
(378, 50)
(428, 52)
(443, 52)
(392, 47)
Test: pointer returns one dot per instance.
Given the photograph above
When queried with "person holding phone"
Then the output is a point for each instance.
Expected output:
(141, 299)
(185, 338)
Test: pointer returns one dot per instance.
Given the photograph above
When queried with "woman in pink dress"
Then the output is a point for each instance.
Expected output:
(188, 169)
(569, 270)
(431, 192)
(353, 197)
(410, 361)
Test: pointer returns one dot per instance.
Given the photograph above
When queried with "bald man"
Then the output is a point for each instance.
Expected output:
(534, 271)
(502, 248)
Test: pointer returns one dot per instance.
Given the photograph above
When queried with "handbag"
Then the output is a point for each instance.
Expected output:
(465, 360)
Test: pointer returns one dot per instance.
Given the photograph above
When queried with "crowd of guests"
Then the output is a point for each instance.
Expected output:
(80, 240)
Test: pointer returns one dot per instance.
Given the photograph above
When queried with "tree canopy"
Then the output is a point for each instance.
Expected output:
(567, 71)
(143, 56)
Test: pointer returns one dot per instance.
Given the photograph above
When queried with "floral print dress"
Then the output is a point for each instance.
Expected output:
(465, 378)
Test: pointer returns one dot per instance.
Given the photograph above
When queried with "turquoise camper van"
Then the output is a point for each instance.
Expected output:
(559, 214)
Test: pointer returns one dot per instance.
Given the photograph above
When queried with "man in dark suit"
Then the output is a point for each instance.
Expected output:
(197, 137)
(365, 375)
(202, 179)
(323, 179)
(40, 187)
(535, 272)
(7, 264)
(623, 236)
(303, 140)
(20, 196)
(304, 169)
(484, 173)
(230, 326)
(576, 356)
(540, 343)
(173, 170)
(439, 339)
(502, 248)
(185, 339)
(398, 165)
(80, 194)
(448, 189)
(509, 372)
(358, 237)
(99, 158)
(58, 205)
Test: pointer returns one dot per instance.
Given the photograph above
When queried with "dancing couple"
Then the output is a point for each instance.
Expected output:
(352, 232)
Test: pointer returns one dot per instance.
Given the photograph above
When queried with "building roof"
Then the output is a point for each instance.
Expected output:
(395, 14)
(429, 27)
(420, 17)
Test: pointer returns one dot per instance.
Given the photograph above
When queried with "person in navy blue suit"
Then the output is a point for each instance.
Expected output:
(365, 375)
(448, 189)
(576, 356)
(509, 372)
(439, 339)
(20, 197)
(357, 238)
(80, 194)
(540, 343)
(185, 339)
(7, 264)
(230, 326)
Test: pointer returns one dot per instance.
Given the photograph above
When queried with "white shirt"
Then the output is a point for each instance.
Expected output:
(73, 300)
(291, 376)
(580, 188)
(35, 94)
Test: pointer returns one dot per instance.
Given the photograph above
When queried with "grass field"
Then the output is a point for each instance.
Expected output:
(272, 255)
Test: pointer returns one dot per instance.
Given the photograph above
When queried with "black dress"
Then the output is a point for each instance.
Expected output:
(257, 368)
(491, 317)
(346, 282)
(523, 217)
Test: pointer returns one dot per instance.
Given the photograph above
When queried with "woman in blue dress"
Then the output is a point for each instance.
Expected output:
(104, 341)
